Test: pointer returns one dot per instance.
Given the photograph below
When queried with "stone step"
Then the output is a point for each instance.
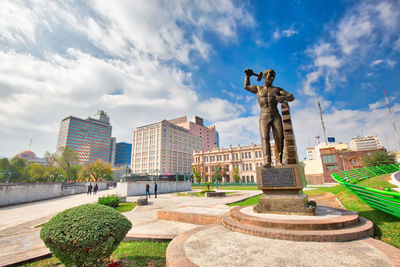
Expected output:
(343, 218)
(361, 230)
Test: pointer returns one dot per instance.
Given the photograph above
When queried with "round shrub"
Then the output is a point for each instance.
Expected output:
(111, 201)
(85, 235)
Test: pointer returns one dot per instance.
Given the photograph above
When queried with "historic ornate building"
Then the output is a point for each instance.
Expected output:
(224, 160)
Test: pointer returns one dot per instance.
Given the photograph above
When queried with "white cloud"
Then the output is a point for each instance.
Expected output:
(343, 124)
(352, 44)
(135, 48)
(377, 62)
(278, 34)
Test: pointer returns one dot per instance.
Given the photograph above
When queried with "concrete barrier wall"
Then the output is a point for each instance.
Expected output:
(139, 188)
(11, 194)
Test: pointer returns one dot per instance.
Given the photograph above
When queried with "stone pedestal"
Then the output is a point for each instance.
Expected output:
(282, 187)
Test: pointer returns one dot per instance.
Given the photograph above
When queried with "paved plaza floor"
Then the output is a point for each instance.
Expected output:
(19, 238)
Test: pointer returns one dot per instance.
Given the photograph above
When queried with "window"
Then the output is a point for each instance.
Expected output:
(329, 159)
(332, 167)
(249, 155)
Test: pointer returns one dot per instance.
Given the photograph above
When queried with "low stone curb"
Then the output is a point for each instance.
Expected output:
(187, 217)
(175, 255)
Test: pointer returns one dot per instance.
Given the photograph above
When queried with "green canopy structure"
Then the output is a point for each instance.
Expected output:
(383, 200)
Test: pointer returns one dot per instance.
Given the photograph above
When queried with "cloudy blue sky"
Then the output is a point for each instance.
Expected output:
(144, 61)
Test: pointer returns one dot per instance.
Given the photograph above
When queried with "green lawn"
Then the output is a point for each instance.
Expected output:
(125, 207)
(197, 194)
(138, 253)
(226, 187)
(386, 227)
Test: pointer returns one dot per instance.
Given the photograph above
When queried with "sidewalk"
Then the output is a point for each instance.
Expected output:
(19, 239)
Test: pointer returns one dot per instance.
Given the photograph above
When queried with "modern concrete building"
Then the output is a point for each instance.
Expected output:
(163, 148)
(368, 142)
(90, 138)
(123, 154)
(245, 158)
(325, 159)
(196, 127)
(113, 148)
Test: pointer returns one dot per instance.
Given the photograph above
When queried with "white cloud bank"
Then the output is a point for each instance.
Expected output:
(66, 59)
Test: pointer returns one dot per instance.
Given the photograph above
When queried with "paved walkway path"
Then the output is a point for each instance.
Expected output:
(19, 239)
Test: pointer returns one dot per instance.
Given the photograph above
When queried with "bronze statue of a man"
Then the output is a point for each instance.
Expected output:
(268, 97)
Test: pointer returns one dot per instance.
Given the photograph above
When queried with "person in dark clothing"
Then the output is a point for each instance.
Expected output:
(89, 189)
(95, 188)
(155, 189)
(148, 190)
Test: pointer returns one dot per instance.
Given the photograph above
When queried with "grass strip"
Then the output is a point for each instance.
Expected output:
(136, 253)
(125, 207)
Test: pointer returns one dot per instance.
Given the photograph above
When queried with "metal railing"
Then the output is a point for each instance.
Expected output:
(384, 200)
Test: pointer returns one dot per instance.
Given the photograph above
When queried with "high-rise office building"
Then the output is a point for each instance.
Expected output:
(90, 138)
(113, 148)
(163, 148)
(123, 153)
(196, 127)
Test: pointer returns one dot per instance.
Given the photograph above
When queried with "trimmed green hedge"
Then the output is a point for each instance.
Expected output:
(85, 235)
(111, 201)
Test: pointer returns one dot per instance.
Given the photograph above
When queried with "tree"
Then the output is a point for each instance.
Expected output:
(67, 159)
(50, 158)
(5, 170)
(379, 158)
(37, 173)
(54, 174)
(236, 175)
(196, 175)
(74, 172)
(97, 170)
(19, 170)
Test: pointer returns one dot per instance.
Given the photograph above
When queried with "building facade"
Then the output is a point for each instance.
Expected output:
(163, 148)
(123, 154)
(196, 127)
(325, 159)
(90, 138)
(368, 142)
(224, 160)
(113, 148)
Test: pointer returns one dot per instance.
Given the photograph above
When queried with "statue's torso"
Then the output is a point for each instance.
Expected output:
(266, 97)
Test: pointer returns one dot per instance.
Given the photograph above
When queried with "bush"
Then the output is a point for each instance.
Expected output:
(85, 235)
(111, 201)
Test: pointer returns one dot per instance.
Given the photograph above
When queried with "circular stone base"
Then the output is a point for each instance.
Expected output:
(328, 225)
(215, 245)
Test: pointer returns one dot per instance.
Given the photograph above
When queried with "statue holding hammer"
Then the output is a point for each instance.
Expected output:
(268, 97)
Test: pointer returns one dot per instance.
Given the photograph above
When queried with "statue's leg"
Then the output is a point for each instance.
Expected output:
(265, 145)
(277, 129)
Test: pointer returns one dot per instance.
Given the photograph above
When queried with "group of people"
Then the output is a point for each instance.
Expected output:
(96, 188)
(90, 188)
(148, 190)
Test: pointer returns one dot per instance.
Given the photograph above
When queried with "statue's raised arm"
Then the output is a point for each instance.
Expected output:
(247, 86)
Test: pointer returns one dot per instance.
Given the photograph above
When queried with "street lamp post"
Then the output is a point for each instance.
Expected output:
(216, 168)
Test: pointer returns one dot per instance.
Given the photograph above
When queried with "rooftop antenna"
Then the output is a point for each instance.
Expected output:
(322, 122)
(391, 117)
(30, 145)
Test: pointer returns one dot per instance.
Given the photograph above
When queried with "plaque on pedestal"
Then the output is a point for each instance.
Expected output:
(282, 186)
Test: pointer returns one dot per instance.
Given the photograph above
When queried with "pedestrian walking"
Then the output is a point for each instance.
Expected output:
(155, 189)
(96, 187)
(148, 190)
(89, 189)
